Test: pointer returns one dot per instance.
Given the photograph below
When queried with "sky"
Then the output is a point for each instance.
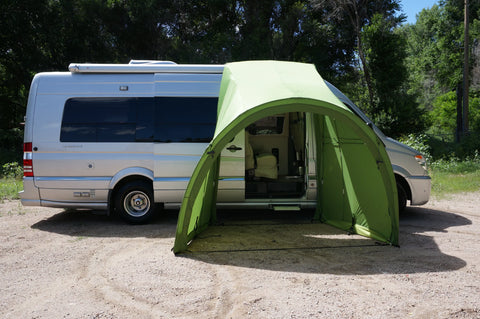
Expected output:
(413, 7)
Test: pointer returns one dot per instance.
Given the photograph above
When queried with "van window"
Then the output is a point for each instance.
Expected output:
(160, 119)
(267, 126)
(107, 120)
(185, 119)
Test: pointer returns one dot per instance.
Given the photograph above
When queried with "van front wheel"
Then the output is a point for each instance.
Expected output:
(402, 198)
(134, 202)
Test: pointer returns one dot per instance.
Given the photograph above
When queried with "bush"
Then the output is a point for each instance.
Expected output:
(444, 114)
(420, 142)
(455, 165)
(444, 147)
(12, 170)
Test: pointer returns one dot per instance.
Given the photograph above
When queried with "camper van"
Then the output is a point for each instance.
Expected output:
(126, 138)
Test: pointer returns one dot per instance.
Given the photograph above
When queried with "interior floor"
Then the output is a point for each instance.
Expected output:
(275, 157)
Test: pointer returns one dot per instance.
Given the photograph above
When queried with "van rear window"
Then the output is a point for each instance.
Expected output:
(142, 119)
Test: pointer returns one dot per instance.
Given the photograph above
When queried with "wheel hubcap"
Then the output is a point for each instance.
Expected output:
(136, 203)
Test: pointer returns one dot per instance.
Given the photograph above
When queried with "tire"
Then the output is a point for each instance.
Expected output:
(134, 202)
(402, 198)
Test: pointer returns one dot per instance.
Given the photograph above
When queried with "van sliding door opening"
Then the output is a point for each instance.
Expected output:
(275, 157)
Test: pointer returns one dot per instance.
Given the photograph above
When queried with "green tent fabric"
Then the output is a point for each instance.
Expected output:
(356, 185)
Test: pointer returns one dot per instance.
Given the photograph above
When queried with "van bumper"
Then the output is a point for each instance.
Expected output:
(420, 187)
(30, 196)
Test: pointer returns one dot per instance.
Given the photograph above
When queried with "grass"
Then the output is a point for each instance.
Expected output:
(455, 176)
(444, 183)
(9, 188)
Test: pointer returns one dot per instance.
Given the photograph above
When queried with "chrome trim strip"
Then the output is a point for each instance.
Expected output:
(48, 203)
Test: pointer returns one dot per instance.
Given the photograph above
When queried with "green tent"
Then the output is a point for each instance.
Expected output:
(356, 188)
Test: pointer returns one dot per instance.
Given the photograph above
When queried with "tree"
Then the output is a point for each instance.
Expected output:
(444, 110)
(393, 109)
(435, 54)
(357, 14)
(422, 56)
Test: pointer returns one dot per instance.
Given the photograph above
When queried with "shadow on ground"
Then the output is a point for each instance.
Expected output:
(286, 241)
(97, 224)
(298, 245)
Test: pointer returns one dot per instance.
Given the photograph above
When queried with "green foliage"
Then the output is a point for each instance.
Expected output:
(437, 147)
(422, 55)
(419, 142)
(444, 183)
(454, 165)
(443, 117)
(394, 73)
(450, 173)
(393, 110)
(9, 188)
(12, 170)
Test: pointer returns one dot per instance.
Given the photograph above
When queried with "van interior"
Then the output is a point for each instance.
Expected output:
(275, 157)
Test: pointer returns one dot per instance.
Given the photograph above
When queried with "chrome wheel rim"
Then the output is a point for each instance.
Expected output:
(136, 203)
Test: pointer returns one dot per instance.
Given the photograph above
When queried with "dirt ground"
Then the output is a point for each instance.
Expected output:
(77, 264)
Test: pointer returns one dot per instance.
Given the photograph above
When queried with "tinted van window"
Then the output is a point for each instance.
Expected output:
(107, 120)
(185, 119)
(160, 119)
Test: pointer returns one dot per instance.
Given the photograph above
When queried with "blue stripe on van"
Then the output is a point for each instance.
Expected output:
(171, 179)
(100, 179)
(187, 179)
(71, 178)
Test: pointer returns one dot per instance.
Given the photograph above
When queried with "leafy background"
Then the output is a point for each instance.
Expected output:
(404, 76)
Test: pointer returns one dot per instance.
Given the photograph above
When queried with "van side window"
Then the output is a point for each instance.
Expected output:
(141, 119)
(185, 119)
(107, 120)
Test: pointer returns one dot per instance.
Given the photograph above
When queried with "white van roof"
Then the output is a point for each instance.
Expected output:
(145, 66)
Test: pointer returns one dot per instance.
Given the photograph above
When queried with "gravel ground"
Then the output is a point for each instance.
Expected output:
(79, 264)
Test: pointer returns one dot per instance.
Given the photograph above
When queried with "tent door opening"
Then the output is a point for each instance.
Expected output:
(275, 157)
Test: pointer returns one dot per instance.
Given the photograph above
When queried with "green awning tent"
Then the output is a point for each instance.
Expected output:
(356, 185)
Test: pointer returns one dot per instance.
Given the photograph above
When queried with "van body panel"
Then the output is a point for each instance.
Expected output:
(420, 188)
(94, 194)
(131, 171)
(196, 85)
(173, 165)
(30, 195)
(231, 185)
(404, 157)
(30, 112)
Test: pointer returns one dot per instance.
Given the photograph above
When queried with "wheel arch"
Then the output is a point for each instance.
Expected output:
(402, 181)
(125, 176)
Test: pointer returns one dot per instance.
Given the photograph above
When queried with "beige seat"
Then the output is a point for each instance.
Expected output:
(263, 165)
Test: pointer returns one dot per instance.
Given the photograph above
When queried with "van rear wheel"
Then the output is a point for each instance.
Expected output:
(134, 202)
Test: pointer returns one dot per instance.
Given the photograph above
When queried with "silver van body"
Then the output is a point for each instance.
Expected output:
(76, 156)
